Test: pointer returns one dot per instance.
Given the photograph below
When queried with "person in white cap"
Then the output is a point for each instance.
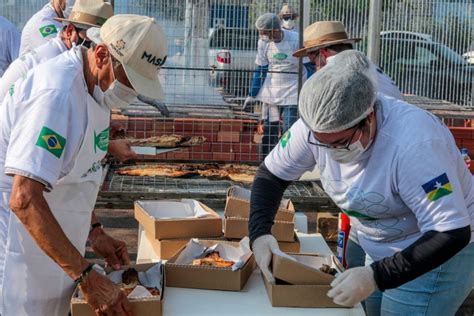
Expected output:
(9, 44)
(54, 132)
(275, 81)
(42, 26)
(288, 17)
(324, 39)
(397, 172)
(84, 14)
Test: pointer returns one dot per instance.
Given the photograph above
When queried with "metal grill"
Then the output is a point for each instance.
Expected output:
(123, 190)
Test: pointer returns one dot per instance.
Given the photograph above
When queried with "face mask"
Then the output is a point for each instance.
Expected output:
(265, 38)
(288, 24)
(355, 151)
(67, 10)
(117, 95)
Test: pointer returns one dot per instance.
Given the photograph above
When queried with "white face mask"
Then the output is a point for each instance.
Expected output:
(117, 95)
(289, 24)
(355, 151)
(67, 10)
(265, 38)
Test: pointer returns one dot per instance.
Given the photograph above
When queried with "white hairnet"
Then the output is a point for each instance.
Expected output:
(340, 95)
(268, 21)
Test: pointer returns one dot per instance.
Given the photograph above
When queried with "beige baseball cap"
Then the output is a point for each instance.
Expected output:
(89, 13)
(139, 43)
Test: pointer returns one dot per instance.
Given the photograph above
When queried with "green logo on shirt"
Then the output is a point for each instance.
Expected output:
(101, 140)
(51, 141)
(285, 138)
(280, 56)
(48, 30)
(357, 215)
(11, 91)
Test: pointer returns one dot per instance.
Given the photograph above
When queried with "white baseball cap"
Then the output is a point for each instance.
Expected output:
(139, 43)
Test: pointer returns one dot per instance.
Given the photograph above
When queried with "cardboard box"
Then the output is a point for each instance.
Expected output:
(238, 205)
(293, 246)
(205, 277)
(167, 248)
(301, 284)
(151, 306)
(237, 228)
(165, 220)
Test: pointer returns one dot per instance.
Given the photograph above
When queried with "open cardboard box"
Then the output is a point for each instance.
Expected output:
(290, 246)
(149, 306)
(301, 283)
(174, 219)
(237, 228)
(238, 205)
(206, 277)
(167, 248)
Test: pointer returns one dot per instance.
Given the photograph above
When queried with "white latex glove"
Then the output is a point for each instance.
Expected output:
(353, 286)
(264, 247)
(247, 102)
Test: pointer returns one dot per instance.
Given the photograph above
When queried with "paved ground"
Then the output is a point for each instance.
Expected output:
(122, 225)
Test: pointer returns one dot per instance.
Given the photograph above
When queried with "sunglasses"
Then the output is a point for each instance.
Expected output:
(287, 18)
(360, 125)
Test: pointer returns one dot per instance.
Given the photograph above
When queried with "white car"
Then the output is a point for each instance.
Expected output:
(405, 35)
(469, 57)
(232, 53)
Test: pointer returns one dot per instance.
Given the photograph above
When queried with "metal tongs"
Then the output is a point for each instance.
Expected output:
(159, 105)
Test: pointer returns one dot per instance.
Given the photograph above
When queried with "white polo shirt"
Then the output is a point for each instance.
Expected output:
(411, 180)
(20, 67)
(279, 88)
(9, 44)
(39, 29)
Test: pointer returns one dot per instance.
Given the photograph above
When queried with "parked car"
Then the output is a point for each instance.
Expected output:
(428, 68)
(406, 35)
(232, 54)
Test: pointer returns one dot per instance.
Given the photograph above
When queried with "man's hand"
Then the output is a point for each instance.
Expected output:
(120, 149)
(104, 296)
(112, 250)
(353, 286)
(264, 247)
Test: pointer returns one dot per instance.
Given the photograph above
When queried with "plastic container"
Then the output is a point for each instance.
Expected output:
(465, 156)
(344, 227)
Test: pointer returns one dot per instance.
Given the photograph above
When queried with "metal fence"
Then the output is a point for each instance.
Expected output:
(213, 44)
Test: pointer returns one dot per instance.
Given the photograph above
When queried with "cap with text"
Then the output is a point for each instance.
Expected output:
(139, 43)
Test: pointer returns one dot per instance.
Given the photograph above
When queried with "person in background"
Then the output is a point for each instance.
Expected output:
(396, 171)
(325, 39)
(42, 26)
(84, 15)
(289, 18)
(54, 132)
(9, 44)
(275, 81)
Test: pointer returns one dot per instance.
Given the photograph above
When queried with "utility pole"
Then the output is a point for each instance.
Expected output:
(375, 27)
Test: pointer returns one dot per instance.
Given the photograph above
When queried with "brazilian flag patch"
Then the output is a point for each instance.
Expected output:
(437, 188)
(51, 141)
(285, 138)
(48, 30)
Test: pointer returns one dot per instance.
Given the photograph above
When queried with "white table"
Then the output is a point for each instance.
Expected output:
(252, 300)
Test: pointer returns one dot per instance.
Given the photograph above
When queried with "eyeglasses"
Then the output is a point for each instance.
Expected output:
(348, 143)
(287, 18)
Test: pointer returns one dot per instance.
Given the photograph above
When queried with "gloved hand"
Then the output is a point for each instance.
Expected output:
(264, 247)
(248, 101)
(353, 286)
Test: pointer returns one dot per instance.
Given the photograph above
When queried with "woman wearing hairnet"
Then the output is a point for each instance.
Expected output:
(396, 171)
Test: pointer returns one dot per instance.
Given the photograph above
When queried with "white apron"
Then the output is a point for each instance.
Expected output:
(33, 283)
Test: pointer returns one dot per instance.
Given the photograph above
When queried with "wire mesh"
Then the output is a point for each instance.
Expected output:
(213, 47)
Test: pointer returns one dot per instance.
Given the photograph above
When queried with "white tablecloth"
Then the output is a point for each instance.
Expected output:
(252, 300)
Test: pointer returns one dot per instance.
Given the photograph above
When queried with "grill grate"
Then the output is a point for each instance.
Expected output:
(123, 188)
